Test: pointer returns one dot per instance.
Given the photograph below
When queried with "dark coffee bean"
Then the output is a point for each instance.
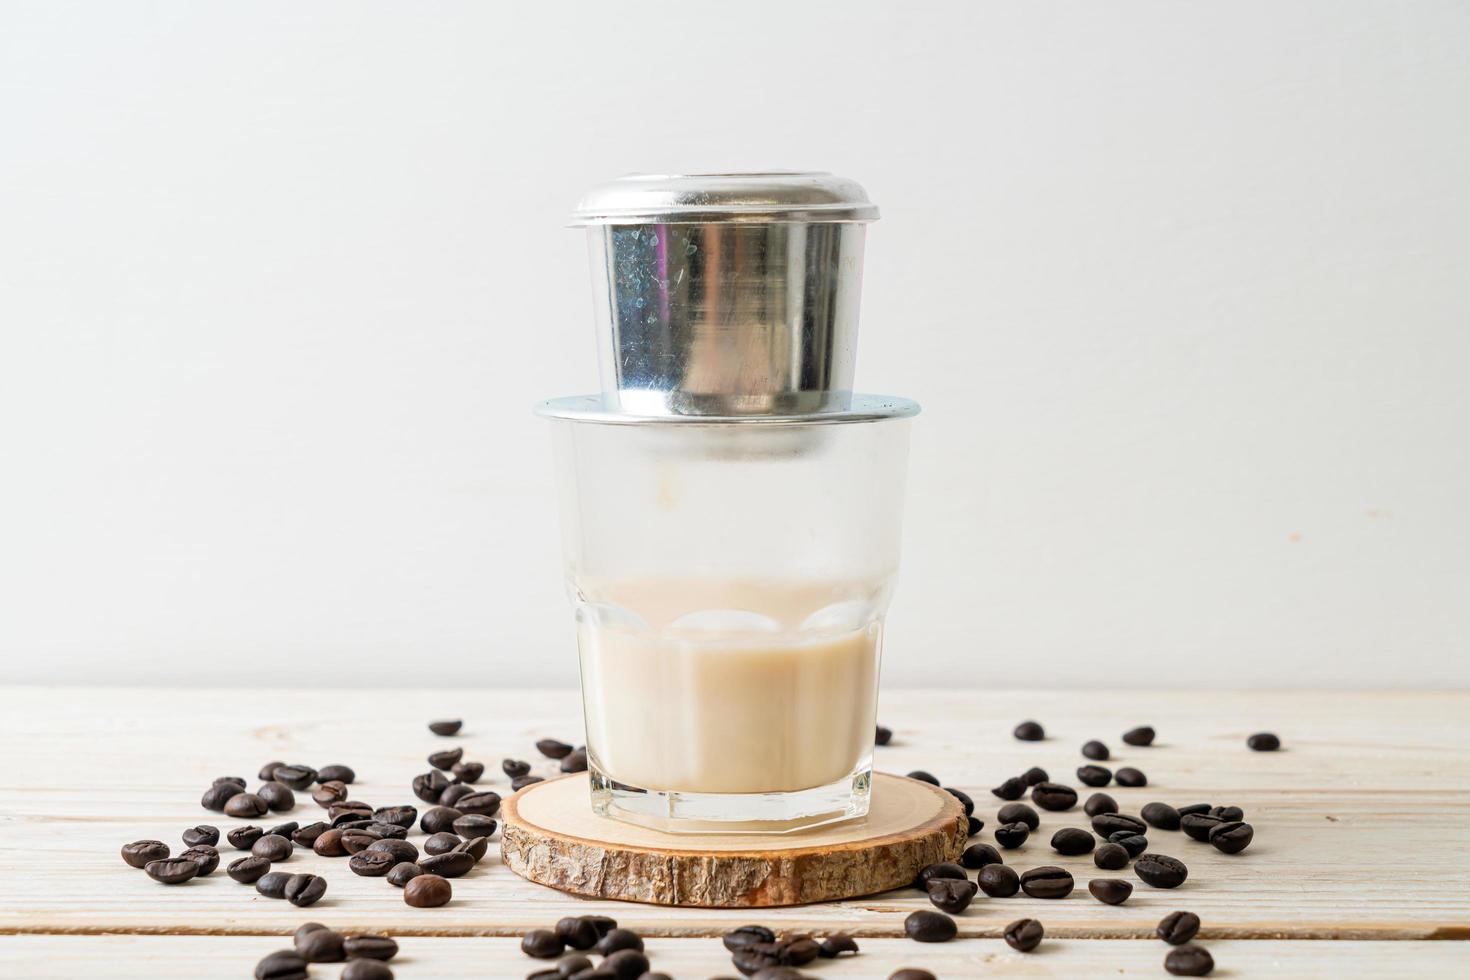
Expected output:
(454, 793)
(799, 951)
(295, 777)
(306, 836)
(450, 726)
(1099, 803)
(284, 964)
(329, 843)
(320, 945)
(553, 749)
(440, 843)
(514, 767)
(401, 850)
(1263, 742)
(1227, 813)
(338, 774)
(1107, 824)
(303, 929)
(219, 795)
(1012, 835)
(964, 799)
(360, 839)
(979, 855)
(446, 758)
(521, 782)
(468, 772)
(476, 848)
(277, 797)
(837, 944)
(1012, 789)
(625, 964)
(944, 869)
(1053, 796)
(910, 973)
(924, 777)
(1110, 857)
(1029, 731)
(1134, 844)
(744, 936)
(951, 895)
(576, 932)
(140, 852)
(1110, 891)
(484, 802)
(273, 847)
(427, 891)
(272, 884)
(1143, 735)
(755, 958)
(541, 943)
(203, 855)
(473, 825)
(1189, 961)
(604, 924)
(236, 781)
(453, 864)
(268, 771)
(247, 870)
(304, 890)
(1160, 870)
(202, 834)
(1232, 837)
(1071, 841)
(930, 927)
(403, 816)
(361, 969)
(1128, 776)
(616, 939)
(1193, 809)
(429, 785)
(973, 826)
(370, 946)
(1034, 775)
(1094, 775)
(1024, 935)
(283, 829)
(402, 873)
(347, 811)
(328, 793)
(1047, 882)
(575, 762)
(387, 831)
(1160, 815)
(1178, 928)
(371, 864)
(998, 880)
(1014, 812)
(882, 736)
(171, 871)
(244, 838)
(1197, 826)
(245, 806)
(1095, 750)
(437, 820)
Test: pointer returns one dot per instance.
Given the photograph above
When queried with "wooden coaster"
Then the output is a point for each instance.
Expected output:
(552, 837)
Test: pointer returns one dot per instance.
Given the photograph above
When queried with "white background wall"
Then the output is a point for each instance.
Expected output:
(1183, 288)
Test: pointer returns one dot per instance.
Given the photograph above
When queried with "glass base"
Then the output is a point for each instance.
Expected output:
(676, 812)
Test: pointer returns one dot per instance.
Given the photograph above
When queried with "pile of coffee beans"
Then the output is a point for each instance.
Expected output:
(365, 955)
(757, 951)
(621, 950)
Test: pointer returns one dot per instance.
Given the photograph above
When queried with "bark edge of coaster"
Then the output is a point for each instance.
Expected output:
(552, 837)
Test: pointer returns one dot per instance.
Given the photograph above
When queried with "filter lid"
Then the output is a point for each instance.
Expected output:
(777, 196)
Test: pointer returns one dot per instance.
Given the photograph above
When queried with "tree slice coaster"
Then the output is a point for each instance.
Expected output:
(552, 837)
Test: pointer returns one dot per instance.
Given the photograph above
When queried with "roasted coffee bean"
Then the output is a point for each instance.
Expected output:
(401, 850)
(1142, 735)
(1071, 841)
(1094, 775)
(541, 943)
(247, 870)
(1053, 796)
(753, 959)
(744, 936)
(1024, 935)
(484, 802)
(370, 946)
(1227, 813)
(402, 873)
(454, 793)
(1110, 857)
(951, 895)
(1128, 776)
(468, 772)
(1160, 815)
(1029, 731)
(268, 771)
(911, 973)
(437, 820)
(1178, 928)
(979, 855)
(328, 793)
(1034, 775)
(1193, 809)
(218, 796)
(427, 891)
(1107, 824)
(359, 839)
(335, 773)
(1047, 882)
(272, 884)
(1134, 844)
(576, 761)
(320, 945)
(882, 736)
(451, 864)
(944, 869)
(203, 855)
(304, 890)
(277, 797)
(1012, 835)
(202, 834)
(387, 831)
(929, 927)
(172, 871)
(616, 939)
(1013, 812)
(837, 944)
(964, 799)
(1110, 891)
(1099, 803)
(429, 785)
(245, 806)
(295, 777)
(1197, 826)
(625, 964)
(1012, 789)
(403, 816)
(361, 969)
(576, 932)
(140, 852)
(329, 843)
(1263, 742)
(284, 964)
(800, 950)
(473, 825)
(349, 811)
(1232, 837)
(973, 826)
(514, 767)
(273, 847)
(283, 829)
(553, 749)
(998, 880)
(924, 777)
(476, 848)
(440, 843)
(521, 782)
(244, 838)
(449, 726)
(1095, 750)
(306, 836)
(1189, 961)
(236, 781)
(371, 864)
(446, 758)
(1160, 870)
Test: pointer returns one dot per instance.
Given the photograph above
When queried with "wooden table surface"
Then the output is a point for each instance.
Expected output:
(1360, 864)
